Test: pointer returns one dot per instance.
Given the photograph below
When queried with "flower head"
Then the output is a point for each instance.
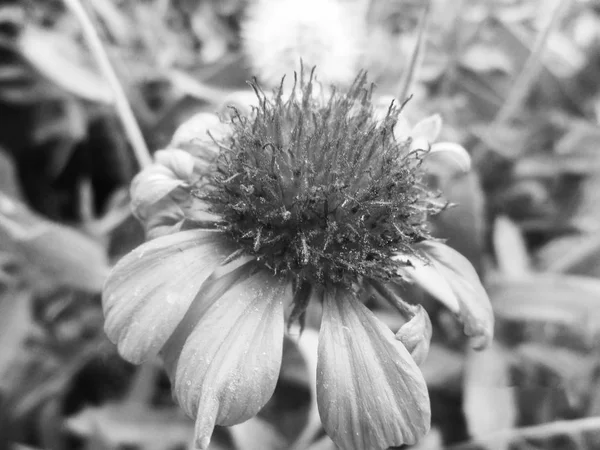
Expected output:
(278, 34)
(300, 199)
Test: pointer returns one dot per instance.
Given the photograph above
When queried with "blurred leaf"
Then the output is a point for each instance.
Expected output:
(462, 224)
(257, 434)
(117, 426)
(62, 61)
(442, 367)
(58, 254)
(489, 404)
(575, 254)
(8, 177)
(551, 299)
(510, 249)
(481, 57)
(15, 324)
(573, 370)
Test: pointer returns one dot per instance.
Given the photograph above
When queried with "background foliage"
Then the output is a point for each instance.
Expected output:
(518, 84)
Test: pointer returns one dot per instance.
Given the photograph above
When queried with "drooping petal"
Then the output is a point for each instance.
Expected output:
(150, 289)
(229, 364)
(456, 153)
(151, 185)
(427, 276)
(461, 290)
(371, 394)
(416, 335)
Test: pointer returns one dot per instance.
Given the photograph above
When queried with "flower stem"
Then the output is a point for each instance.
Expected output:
(121, 103)
(410, 74)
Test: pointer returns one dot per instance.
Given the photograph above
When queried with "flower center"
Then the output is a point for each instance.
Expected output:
(320, 189)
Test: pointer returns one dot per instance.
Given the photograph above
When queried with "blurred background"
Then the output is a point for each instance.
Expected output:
(517, 83)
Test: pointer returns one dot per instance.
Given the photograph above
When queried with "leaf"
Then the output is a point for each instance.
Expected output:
(56, 254)
(62, 61)
(8, 177)
(116, 425)
(488, 402)
(481, 57)
(462, 224)
(572, 370)
(569, 301)
(15, 322)
(510, 248)
(443, 367)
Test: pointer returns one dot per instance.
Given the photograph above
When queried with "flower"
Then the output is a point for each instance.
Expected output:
(278, 34)
(301, 199)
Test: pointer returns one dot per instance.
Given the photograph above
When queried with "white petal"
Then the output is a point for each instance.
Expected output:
(151, 185)
(178, 161)
(196, 130)
(429, 128)
(151, 288)
(456, 152)
(230, 363)
(371, 394)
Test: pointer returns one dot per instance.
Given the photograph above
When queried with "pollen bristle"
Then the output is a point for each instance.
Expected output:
(320, 190)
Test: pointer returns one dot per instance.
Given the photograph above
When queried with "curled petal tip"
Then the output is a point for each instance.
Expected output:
(202, 443)
(205, 425)
(459, 279)
(456, 152)
(415, 335)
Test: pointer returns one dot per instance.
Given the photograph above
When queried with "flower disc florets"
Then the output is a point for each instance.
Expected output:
(320, 190)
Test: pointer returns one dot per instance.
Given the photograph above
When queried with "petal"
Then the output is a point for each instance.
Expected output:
(196, 130)
(416, 335)
(179, 162)
(427, 276)
(242, 101)
(456, 153)
(371, 394)
(150, 289)
(151, 185)
(230, 363)
(429, 128)
(473, 304)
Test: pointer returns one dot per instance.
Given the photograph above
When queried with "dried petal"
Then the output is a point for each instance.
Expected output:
(150, 289)
(416, 335)
(460, 290)
(371, 394)
(230, 363)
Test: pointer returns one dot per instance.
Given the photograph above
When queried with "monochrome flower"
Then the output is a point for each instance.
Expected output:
(299, 199)
(278, 34)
